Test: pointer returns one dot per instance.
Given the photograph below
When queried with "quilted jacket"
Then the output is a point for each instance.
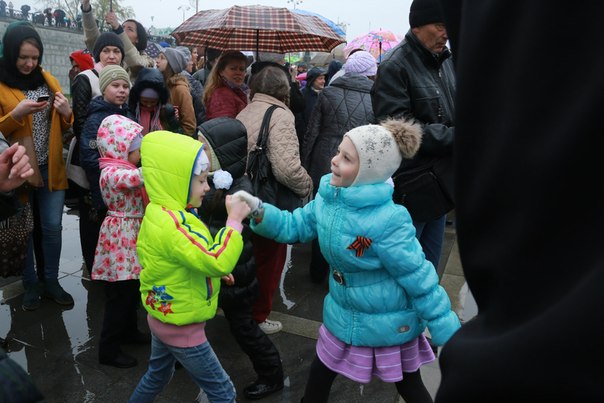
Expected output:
(343, 105)
(228, 140)
(387, 291)
(182, 263)
(283, 147)
(82, 92)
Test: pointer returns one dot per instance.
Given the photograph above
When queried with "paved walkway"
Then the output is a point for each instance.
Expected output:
(59, 347)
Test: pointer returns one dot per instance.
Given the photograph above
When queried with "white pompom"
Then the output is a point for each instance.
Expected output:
(222, 179)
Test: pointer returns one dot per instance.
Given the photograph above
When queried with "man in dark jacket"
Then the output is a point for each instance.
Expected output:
(529, 202)
(416, 81)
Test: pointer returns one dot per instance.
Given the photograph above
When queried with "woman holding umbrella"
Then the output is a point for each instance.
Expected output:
(225, 93)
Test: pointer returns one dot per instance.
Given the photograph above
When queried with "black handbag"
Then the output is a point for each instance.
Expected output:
(423, 193)
(14, 235)
(260, 171)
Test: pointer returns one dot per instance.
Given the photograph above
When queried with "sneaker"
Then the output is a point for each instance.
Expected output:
(54, 291)
(31, 298)
(270, 326)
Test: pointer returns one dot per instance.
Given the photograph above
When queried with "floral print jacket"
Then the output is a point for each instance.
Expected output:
(121, 185)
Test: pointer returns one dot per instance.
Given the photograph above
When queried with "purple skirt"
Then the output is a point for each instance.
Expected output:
(361, 363)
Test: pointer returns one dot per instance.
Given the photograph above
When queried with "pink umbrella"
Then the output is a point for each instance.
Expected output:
(375, 42)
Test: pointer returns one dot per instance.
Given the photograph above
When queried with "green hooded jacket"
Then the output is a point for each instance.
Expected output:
(182, 264)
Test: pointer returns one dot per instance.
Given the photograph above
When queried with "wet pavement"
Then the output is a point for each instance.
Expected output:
(58, 347)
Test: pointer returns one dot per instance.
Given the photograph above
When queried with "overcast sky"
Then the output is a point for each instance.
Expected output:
(361, 17)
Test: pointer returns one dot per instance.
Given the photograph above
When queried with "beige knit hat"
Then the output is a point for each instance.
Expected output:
(214, 163)
(112, 73)
(382, 147)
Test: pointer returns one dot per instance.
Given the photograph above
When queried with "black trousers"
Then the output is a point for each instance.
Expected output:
(120, 319)
(254, 342)
(90, 226)
(320, 379)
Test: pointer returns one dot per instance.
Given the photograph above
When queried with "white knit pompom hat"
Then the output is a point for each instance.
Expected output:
(381, 148)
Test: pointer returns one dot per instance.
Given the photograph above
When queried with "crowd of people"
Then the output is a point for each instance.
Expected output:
(165, 185)
(48, 17)
(362, 155)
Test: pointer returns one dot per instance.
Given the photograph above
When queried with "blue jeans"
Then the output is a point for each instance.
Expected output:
(200, 362)
(51, 218)
(431, 235)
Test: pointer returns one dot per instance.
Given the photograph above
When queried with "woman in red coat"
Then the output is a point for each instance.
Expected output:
(226, 93)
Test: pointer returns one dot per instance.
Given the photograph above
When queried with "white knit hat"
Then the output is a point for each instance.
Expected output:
(202, 163)
(381, 148)
(361, 62)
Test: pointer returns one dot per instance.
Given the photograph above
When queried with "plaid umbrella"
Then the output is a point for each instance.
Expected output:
(258, 28)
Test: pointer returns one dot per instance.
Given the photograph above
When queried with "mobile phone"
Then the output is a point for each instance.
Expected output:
(43, 98)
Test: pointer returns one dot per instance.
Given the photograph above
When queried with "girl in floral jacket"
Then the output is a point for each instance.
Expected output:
(115, 259)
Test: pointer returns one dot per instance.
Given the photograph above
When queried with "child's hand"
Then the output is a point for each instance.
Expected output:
(237, 209)
(252, 201)
(228, 279)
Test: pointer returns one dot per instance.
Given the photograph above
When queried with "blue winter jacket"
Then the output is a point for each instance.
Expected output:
(98, 110)
(383, 291)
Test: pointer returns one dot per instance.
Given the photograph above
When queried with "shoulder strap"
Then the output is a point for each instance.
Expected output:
(263, 135)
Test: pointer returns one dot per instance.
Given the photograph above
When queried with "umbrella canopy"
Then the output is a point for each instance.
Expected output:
(375, 42)
(323, 58)
(257, 28)
(336, 28)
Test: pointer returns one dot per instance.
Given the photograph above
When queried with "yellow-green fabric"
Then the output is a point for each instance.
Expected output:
(182, 263)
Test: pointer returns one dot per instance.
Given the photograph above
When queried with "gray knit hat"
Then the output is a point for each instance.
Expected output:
(186, 51)
(177, 59)
(112, 73)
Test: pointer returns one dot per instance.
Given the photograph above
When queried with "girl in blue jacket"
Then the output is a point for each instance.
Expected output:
(383, 293)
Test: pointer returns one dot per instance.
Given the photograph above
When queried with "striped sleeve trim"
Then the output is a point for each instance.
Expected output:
(184, 228)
